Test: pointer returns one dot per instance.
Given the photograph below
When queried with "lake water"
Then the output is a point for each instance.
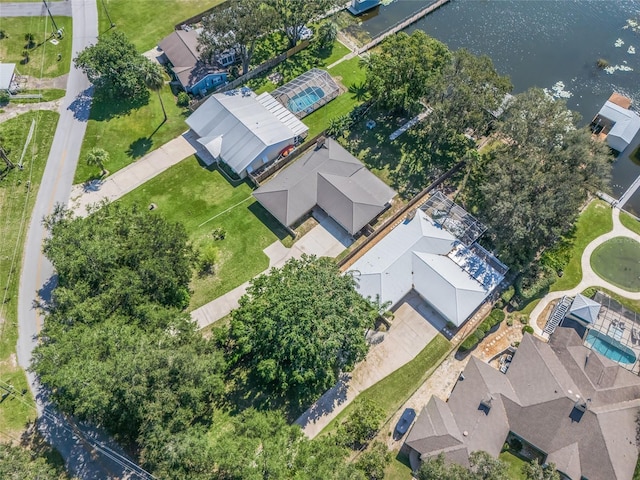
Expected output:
(552, 44)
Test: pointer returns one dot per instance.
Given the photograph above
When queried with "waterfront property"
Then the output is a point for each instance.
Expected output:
(563, 403)
(606, 327)
(180, 50)
(330, 177)
(245, 131)
(360, 6)
(308, 92)
(616, 123)
(435, 253)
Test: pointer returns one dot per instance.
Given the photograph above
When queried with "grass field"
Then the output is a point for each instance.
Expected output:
(391, 392)
(130, 135)
(193, 194)
(618, 261)
(514, 465)
(399, 468)
(16, 203)
(43, 60)
(146, 22)
(630, 222)
(47, 95)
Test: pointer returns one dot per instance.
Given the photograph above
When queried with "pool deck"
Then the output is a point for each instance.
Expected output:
(622, 329)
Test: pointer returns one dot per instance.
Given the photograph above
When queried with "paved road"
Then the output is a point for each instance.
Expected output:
(89, 454)
(35, 9)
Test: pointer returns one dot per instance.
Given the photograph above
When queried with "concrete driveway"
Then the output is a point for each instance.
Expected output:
(414, 325)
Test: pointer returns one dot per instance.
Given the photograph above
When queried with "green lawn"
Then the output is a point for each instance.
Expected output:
(392, 392)
(618, 261)
(594, 221)
(43, 57)
(514, 465)
(130, 135)
(399, 468)
(146, 22)
(630, 222)
(16, 203)
(352, 77)
(192, 194)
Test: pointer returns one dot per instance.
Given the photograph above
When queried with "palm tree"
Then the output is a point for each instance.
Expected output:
(98, 157)
(29, 38)
(153, 78)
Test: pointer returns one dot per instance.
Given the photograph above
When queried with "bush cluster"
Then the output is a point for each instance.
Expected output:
(495, 317)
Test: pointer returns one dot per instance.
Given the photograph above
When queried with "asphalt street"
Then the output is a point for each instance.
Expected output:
(34, 9)
(88, 452)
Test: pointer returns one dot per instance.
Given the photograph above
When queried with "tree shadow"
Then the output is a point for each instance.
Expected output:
(81, 105)
(157, 128)
(106, 108)
(139, 147)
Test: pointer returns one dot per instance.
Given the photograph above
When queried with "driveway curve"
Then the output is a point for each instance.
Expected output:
(589, 277)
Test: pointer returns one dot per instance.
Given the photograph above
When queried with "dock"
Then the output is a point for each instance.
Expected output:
(401, 25)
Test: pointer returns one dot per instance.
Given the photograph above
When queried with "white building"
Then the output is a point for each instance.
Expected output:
(245, 131)
(420, 254)
(617, 122)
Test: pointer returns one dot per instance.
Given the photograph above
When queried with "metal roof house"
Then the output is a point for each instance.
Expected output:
(575, 407)
(584, 309)
(180, 49)
(245, 131)
(7, 73)
(616, 122)
(423, 255)
(360, 6)
(333, 179)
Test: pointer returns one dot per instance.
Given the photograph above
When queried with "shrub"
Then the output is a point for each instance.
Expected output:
(470, 343)
(527, 329)
(497, 316)
(500, 304)
(515, 444)
(183, 99)
(207, 259)
(524, 320)
(510, 322)
(508, 294)
(4, 97)
(588, 292)
(3, 34)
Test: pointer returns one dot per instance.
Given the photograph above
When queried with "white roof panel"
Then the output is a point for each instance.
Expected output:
(6, 75)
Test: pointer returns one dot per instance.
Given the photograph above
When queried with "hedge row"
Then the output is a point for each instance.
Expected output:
(495, 317)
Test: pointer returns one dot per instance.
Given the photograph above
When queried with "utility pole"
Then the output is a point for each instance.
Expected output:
(50, 16)
(108, 16)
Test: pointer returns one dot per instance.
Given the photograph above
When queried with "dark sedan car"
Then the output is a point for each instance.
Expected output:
(407, 418)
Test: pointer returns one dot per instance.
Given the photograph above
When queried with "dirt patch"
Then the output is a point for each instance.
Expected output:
(541, 321)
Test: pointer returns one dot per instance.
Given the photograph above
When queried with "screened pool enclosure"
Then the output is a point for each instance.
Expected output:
(307, 93)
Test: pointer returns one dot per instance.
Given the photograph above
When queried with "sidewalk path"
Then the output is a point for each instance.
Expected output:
(14, 109)
(134, 175)
(589, 277)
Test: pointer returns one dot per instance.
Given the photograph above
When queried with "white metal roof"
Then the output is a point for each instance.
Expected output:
(626, 122)
(244, 126)
(585, 308)
(6, 75)
(418, 254)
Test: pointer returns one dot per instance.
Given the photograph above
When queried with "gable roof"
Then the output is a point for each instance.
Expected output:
(585, 309)
(331, 178)
(238, 127)
(626, 122)
(537, 400)
(181, 48)
(422, 255)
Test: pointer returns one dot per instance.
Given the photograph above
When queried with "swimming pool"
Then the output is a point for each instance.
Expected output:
(610, 347)
(305, 99)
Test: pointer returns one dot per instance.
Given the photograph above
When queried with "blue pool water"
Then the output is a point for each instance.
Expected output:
(610, 347)
(305, 99)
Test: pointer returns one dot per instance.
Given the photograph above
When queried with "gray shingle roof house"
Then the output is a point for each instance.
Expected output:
(244, 130)
(331, 178)
(181, 49)
(567, 401)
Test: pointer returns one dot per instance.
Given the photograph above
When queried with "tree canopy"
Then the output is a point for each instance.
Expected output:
(293, 15)
(529, 189)
(114, 67)
(115, 348)
(236, 25)
(405, 69)
(18, 463)
(299, 326)
(482, 466)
